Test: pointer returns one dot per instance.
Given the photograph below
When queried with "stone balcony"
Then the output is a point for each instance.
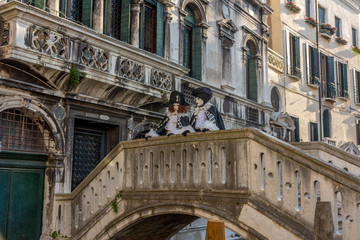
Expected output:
(110, 71)
(50, 47)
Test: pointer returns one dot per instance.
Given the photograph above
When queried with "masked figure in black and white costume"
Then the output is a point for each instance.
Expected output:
(206, 116)
(176, 121)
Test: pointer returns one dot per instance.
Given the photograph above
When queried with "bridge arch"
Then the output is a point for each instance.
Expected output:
(177, 215)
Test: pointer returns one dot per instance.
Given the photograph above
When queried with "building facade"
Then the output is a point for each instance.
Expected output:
(78, 77)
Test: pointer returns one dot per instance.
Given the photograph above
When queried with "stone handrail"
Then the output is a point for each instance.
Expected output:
(277, 176)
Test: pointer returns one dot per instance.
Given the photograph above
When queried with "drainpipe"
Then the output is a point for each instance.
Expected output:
(319, 67)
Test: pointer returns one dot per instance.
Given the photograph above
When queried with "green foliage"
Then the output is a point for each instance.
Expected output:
(74, 76)
(55, 234)
(114, 205)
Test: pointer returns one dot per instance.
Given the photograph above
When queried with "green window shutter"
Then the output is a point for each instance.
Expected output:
(105, 17)
(297, 53)
(125, 21)
(141, 28)
(160, 29)
(87, 13)
(330, 81)
(187, 47)
(357, 86)
(344, 79)
(358, 132)
(316, 138)
(197, 53)
(314, 62)
(4, 199)
(62, 8)
(326, 123)
(297, 130)
(252, 80)
(39, 3)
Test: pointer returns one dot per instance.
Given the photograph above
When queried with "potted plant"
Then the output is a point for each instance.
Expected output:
(356, 49)
(311, 21)
(341, 40)
(292, 7)
(326, 30)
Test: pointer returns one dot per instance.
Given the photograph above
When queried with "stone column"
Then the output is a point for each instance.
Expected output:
(98, 15)
(53, 6)
(168, 17)
(135, 22)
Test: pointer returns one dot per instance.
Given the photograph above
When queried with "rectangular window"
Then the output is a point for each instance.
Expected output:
(294, 56)
(321, 14)
(313, 131)
(338, 26)
(307, 8)
(354, 37)
(357, 86)
(342, 80)
(313, 66)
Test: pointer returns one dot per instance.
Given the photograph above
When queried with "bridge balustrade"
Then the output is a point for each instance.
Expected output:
(278, 180)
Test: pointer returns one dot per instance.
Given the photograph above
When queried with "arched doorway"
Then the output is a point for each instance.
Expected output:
(26, 142)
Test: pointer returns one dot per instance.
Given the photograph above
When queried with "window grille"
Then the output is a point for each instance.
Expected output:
(23, 130)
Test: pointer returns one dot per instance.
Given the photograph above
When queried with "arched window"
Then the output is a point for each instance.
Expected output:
(251, 78)
(152, 27)
(326, 123)
(275, 99)
(192, 57)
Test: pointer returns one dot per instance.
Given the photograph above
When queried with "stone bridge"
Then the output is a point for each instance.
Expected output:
(260, 187)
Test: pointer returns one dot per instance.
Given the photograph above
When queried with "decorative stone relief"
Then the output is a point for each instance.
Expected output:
(94, 57)
(49, 42)
(162, 79)
(130, 69)
(275, 62)
(4, 33)
(227, 29)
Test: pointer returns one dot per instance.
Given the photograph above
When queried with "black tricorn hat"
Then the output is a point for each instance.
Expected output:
(176, 97)
(204, 93)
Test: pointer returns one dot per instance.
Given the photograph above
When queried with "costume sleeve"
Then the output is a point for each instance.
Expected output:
(160, 128)
(218, 118)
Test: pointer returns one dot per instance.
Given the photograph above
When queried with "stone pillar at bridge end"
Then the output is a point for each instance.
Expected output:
(323, 222)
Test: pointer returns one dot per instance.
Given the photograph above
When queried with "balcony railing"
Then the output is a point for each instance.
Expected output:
(329, 90)
(294, 71)
(326, 30)
(61, 44)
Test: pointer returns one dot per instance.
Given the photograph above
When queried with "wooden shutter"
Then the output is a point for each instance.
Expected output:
(197, 53)
(39, 3)
(252, 80)
(125, 21)
(357, 86)
(316, 138)
(314, 61)
(358, 132)
(160, 29)
(297, 130)
(62, 8)
(330, 81)
(326, 123)
(297, 54)
(344, 79)
(105, 17)
(87, 13)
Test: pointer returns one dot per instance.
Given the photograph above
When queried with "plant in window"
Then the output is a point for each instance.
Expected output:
(326, 30)
(356, 49)
(292, 7)
(311, 21)
(341, 40)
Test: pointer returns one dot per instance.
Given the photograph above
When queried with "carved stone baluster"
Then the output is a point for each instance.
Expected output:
(98, 15)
